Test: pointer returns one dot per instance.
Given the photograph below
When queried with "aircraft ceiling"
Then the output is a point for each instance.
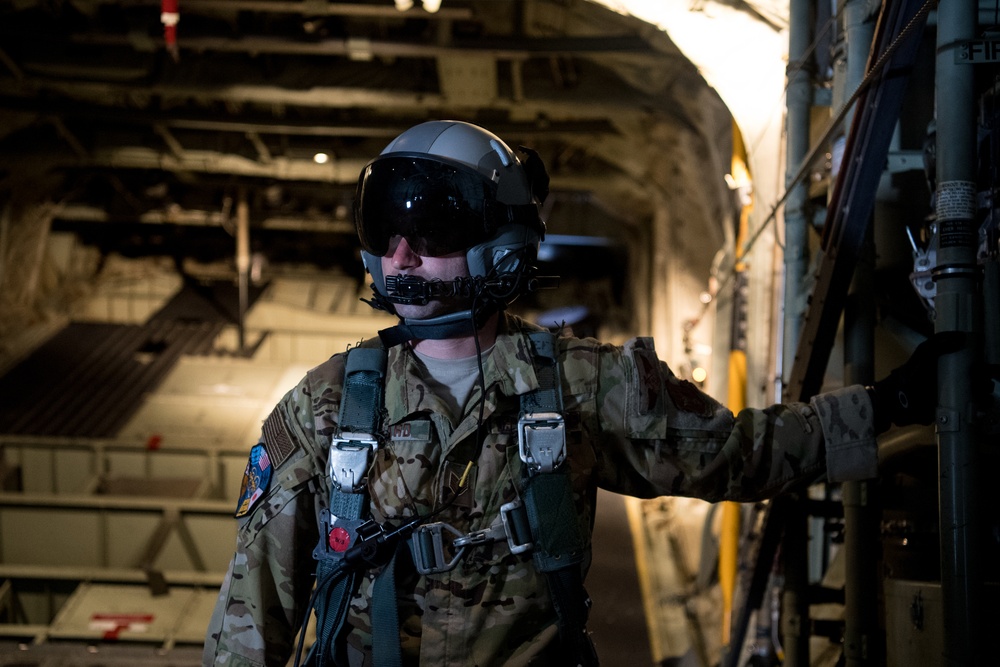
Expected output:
(143, 145)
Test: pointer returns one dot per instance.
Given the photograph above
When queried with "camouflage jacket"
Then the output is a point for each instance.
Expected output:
(632, 428)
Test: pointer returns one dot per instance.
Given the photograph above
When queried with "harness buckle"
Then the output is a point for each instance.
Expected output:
(478, 538)
(428, 548)
(350, 455)
(514, 541)
(541, 440)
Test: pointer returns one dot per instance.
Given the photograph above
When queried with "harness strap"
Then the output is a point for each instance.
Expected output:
(362, 399)
(559, 548)
(349, 457)
(330, 621)
(386, 651)
(548, 396)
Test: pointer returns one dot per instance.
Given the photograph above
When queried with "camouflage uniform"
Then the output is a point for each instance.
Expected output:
(632, 428)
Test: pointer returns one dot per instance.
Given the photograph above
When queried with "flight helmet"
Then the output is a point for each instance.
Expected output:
(449, 186)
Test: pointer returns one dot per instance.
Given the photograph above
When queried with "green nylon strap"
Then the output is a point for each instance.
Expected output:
(348, 505)
(360, 412)
(569, 600)
(548, 497)
(386, 651)
(330, 617)
(363, 396)
(548, 396)
(559, 549)
(548, 500)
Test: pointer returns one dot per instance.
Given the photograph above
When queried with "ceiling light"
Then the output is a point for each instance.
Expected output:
(321, 158)
(360, 48)
(432, 6)
(403, 5)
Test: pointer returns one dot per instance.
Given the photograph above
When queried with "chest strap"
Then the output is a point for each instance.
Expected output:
(559, 548)
(350, 456)
(351, 452)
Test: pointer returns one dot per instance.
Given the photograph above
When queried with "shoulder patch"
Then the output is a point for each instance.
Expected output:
(256, 479)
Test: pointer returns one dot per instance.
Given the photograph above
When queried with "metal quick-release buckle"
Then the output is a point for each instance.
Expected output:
(541, 440)
(510, 530)
(429, 548)
(350, 455)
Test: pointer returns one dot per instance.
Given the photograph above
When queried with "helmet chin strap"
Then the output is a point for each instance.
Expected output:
(453, 325)
(403, 289)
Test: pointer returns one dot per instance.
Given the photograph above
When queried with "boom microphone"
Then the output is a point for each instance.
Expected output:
(406, 289)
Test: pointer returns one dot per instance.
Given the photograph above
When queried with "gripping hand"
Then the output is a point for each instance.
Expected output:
(908, 395)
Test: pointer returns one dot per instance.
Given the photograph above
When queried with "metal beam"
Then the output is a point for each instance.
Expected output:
(378, 127)
(305, 8)
(362, 48)
(104, 574)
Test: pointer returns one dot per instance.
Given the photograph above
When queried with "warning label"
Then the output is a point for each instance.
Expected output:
(956, 200)
(955, 233)
(956, 209)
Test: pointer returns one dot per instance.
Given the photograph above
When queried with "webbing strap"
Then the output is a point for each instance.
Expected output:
(347, 505)
(555, 527)
(331, 614)
(548, 396)
(360, 415)
(571, 604)
(462, 323)
(559, 548)
(386, 650)
(361, 404)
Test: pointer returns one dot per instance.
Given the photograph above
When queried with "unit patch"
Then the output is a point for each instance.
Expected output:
(256, 478)
(451, 487)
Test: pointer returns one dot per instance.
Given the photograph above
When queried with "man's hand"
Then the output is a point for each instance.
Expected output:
(909, 394)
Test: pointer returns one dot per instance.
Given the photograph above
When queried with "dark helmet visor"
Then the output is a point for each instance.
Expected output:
(439, 208)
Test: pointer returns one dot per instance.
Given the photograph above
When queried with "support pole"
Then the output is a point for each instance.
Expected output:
(795, 603)
(795, 622)
(862, 638)
(863, 643)
(729, 533)
(798, 102)
(243, 264)
(957, 309)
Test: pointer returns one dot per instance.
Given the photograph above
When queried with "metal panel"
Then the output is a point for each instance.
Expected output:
(914, 621)
(101, 531)
(50, 537)
(132, 613)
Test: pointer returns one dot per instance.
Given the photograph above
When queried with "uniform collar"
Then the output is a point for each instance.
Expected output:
(509, 371)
